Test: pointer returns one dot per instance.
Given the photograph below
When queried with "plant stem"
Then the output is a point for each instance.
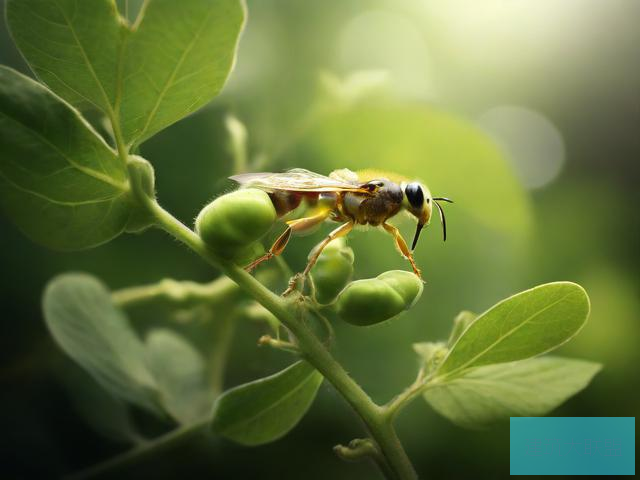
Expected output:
(121, 147)
(153, 447)
(220, 289)
(311, 348)
(392, 408)
(220, 353)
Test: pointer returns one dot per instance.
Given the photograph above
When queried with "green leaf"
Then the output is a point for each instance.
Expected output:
(59, 181)
(493, 393)
(97, 336)
(177, 61)
(72, 46)
(179, 372)
(525, 325)
(171, 62)
(266, 409)
(105, 414)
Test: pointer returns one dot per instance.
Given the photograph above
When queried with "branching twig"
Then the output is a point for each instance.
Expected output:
(221, 289)
(311, 348)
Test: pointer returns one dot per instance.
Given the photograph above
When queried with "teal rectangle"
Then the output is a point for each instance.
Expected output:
(572, 446)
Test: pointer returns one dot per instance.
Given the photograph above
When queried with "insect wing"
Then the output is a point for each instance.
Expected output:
(296, 180)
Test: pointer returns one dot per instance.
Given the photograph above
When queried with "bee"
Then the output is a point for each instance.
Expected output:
(365, 198)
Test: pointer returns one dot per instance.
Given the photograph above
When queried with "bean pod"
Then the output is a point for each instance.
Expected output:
(374, 300)
(233, 222)
(332, 271)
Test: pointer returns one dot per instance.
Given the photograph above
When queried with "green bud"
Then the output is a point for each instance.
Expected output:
(406, 284)
(460, 324)
(432, 353)
(374, 300)
(142, 179)
(332, 271)
(245, 255)
(142, 175)
(234, 221)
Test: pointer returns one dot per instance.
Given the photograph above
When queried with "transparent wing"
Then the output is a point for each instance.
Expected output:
(296, 180)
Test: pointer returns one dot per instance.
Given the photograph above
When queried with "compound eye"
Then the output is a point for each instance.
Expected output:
(414, 194)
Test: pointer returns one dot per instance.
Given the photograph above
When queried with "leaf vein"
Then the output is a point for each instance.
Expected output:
(87, 171)
(169, 82)
(505, 335)
(274, 404)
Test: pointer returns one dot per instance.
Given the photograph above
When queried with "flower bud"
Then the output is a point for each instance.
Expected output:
(142, 178)
(374, 300)
(234, 221)
(332, 271)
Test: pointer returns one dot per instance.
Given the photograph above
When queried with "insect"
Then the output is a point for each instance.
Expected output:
(365, 198)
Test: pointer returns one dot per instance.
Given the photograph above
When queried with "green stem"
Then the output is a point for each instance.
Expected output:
(392, 408)
(122, 149)
(220, 353)
(422, 383)
(311, 348)
(152, 448)
(180, 292)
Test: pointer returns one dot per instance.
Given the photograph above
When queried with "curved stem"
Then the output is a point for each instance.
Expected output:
(160, 444)
(392, 408)
(220, 354)
(220, 289)
(422, 383)
(311, 348)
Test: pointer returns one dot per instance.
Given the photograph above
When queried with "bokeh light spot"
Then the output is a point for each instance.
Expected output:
(530, 140)
(379, 40)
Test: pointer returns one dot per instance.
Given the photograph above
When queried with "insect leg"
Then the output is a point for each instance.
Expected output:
(297, 225)
(403, 247)
(341, 231)
(276, 249)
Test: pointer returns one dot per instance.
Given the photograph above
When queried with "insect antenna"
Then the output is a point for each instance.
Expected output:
(443, 220)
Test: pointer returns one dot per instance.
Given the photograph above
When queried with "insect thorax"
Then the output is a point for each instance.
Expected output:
(375, 209)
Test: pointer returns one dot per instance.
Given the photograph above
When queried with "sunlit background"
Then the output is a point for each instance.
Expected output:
(526, 112)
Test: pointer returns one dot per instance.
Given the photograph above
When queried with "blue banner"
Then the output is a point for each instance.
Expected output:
(572, 446)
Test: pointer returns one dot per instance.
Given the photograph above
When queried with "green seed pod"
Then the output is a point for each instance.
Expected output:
(245, 255)
(406, 284)
(374, 300)
(234, 221)
(332, 271)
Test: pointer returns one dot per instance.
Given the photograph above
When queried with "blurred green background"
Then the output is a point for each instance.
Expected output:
(525, 112)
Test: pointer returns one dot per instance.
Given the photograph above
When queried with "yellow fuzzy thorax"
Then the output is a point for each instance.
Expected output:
(373, 173)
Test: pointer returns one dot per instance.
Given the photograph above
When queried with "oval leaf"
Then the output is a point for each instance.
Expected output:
(59, 181)
(266, 409)
(176, 61)
(179, 372)
(105, 414)
(525, 325)
(496, 392)
(97, 336)
(71, 45)
(175, 58)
